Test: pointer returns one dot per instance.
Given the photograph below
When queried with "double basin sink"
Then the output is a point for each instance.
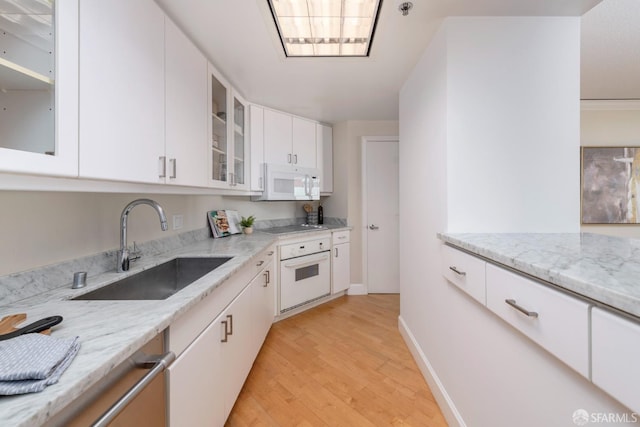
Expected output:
(159, 282)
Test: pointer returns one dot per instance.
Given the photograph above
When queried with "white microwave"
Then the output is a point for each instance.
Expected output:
(287, 182)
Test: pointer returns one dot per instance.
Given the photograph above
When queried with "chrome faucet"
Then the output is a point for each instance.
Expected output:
(123, 254)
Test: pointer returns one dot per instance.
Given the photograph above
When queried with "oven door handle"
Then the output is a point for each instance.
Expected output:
(300, 262)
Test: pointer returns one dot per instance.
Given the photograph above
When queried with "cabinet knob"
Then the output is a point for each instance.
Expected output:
(373, 227)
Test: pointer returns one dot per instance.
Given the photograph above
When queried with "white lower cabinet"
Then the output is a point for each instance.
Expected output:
(194, 382)
(465, 271)
(206, 378)
(615, 352)
(236, 335)
(557, 322)
(340, 262)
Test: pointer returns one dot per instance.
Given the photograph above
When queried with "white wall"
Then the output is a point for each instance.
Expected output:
(346, 200)
(513, 125)
(611, 124)
(460, 112)
(42, 228)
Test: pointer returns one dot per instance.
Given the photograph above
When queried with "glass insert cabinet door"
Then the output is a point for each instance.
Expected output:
(39, 86)
(219, 146)
(239, 158)
(27, 77)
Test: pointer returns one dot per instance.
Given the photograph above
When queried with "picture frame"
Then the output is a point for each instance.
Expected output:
(610, 185)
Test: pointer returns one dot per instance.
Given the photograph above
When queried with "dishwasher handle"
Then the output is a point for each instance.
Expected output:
(157, 364)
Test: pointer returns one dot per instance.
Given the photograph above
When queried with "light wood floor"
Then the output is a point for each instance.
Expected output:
(343, 363)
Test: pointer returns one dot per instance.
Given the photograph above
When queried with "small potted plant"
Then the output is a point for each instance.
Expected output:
(247, 224)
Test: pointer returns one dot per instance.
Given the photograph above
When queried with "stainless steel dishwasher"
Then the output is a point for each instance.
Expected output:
(133, 394)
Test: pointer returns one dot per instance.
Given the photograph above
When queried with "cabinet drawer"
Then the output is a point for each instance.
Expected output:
(615, 354)
(465, 271)
(557, 322)
(340, 237)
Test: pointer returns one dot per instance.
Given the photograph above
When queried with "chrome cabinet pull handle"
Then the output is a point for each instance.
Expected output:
(260, 183)
(162, 166)
(226, 334)
(373, 227)
(230, 317)
(270, 253)
(336, 252)
(174, 163)
(259, 263)
(458, 272)
(288, 158)
(295, 159)
(267, 279)
(521, 309)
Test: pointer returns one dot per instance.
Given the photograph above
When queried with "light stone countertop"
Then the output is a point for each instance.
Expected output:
(601, 268)
(111, 331)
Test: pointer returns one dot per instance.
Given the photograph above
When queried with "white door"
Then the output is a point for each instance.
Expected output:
(380, 214)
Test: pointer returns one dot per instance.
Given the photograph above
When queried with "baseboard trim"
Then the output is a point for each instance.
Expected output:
(447, 406)
(357, 289)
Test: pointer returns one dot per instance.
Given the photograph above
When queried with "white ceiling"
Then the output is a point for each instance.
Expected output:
(240, 38)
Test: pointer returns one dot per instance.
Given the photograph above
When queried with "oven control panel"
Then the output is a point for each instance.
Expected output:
(307, 247)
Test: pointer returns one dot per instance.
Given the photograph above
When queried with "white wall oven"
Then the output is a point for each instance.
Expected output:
(305, 272)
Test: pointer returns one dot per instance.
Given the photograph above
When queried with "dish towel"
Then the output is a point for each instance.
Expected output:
(30, 362)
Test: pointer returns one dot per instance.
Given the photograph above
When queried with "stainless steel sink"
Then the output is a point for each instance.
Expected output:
(159, 282)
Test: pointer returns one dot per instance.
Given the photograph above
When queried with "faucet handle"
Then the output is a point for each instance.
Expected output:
(135, 253)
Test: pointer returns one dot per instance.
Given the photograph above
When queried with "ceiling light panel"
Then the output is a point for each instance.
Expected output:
(325, 27)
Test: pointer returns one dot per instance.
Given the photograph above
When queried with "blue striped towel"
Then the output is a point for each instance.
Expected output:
(30, 362)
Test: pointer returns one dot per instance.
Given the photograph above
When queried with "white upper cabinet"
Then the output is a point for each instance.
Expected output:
(256, 136)
(39, 98)
(304, 143)
(278, 137)
(324, 157)
(228, 161)
(185, 110)
(122, 90)
(289, 140)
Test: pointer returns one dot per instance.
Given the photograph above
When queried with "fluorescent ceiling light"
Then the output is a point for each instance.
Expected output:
(325, 27)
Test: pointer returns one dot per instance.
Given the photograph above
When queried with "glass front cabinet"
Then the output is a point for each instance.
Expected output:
(228, 158)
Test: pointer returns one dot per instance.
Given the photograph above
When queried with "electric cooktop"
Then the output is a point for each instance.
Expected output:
(293, 228)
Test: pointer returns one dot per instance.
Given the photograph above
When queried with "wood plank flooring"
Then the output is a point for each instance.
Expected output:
(343, 363)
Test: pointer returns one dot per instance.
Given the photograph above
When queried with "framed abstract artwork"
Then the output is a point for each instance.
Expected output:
(610, 185)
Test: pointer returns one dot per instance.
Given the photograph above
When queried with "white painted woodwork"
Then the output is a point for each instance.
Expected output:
(615, 351)
(256, 137)
(278, 128)
(236, 355)
(561, 325)
(195, 394)
(185, 109)
(303, 147)
(465, 271)
(65, 160)
(121, 90)
(340, 266)
(263, 296)
(381, 214)
(324, 157)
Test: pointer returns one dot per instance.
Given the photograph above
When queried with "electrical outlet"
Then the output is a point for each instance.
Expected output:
(178, 221)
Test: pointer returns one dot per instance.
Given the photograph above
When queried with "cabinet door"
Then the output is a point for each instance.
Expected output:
(256, 135)
(240, 149)
(121, 90)
(195, 390)
(304, 143)
(219, 97)
(277, 137)
(263, 295)
(235, 326)
(615, 351)
(186, 109)
(341, 267)
(324, 157)
(39, 133)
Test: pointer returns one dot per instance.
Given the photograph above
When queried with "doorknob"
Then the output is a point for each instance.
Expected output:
(373, 227)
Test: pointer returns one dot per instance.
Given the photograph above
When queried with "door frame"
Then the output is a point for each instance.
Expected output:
(363, 219)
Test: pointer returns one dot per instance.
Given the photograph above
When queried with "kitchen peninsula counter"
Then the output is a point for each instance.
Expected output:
(603, 269)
